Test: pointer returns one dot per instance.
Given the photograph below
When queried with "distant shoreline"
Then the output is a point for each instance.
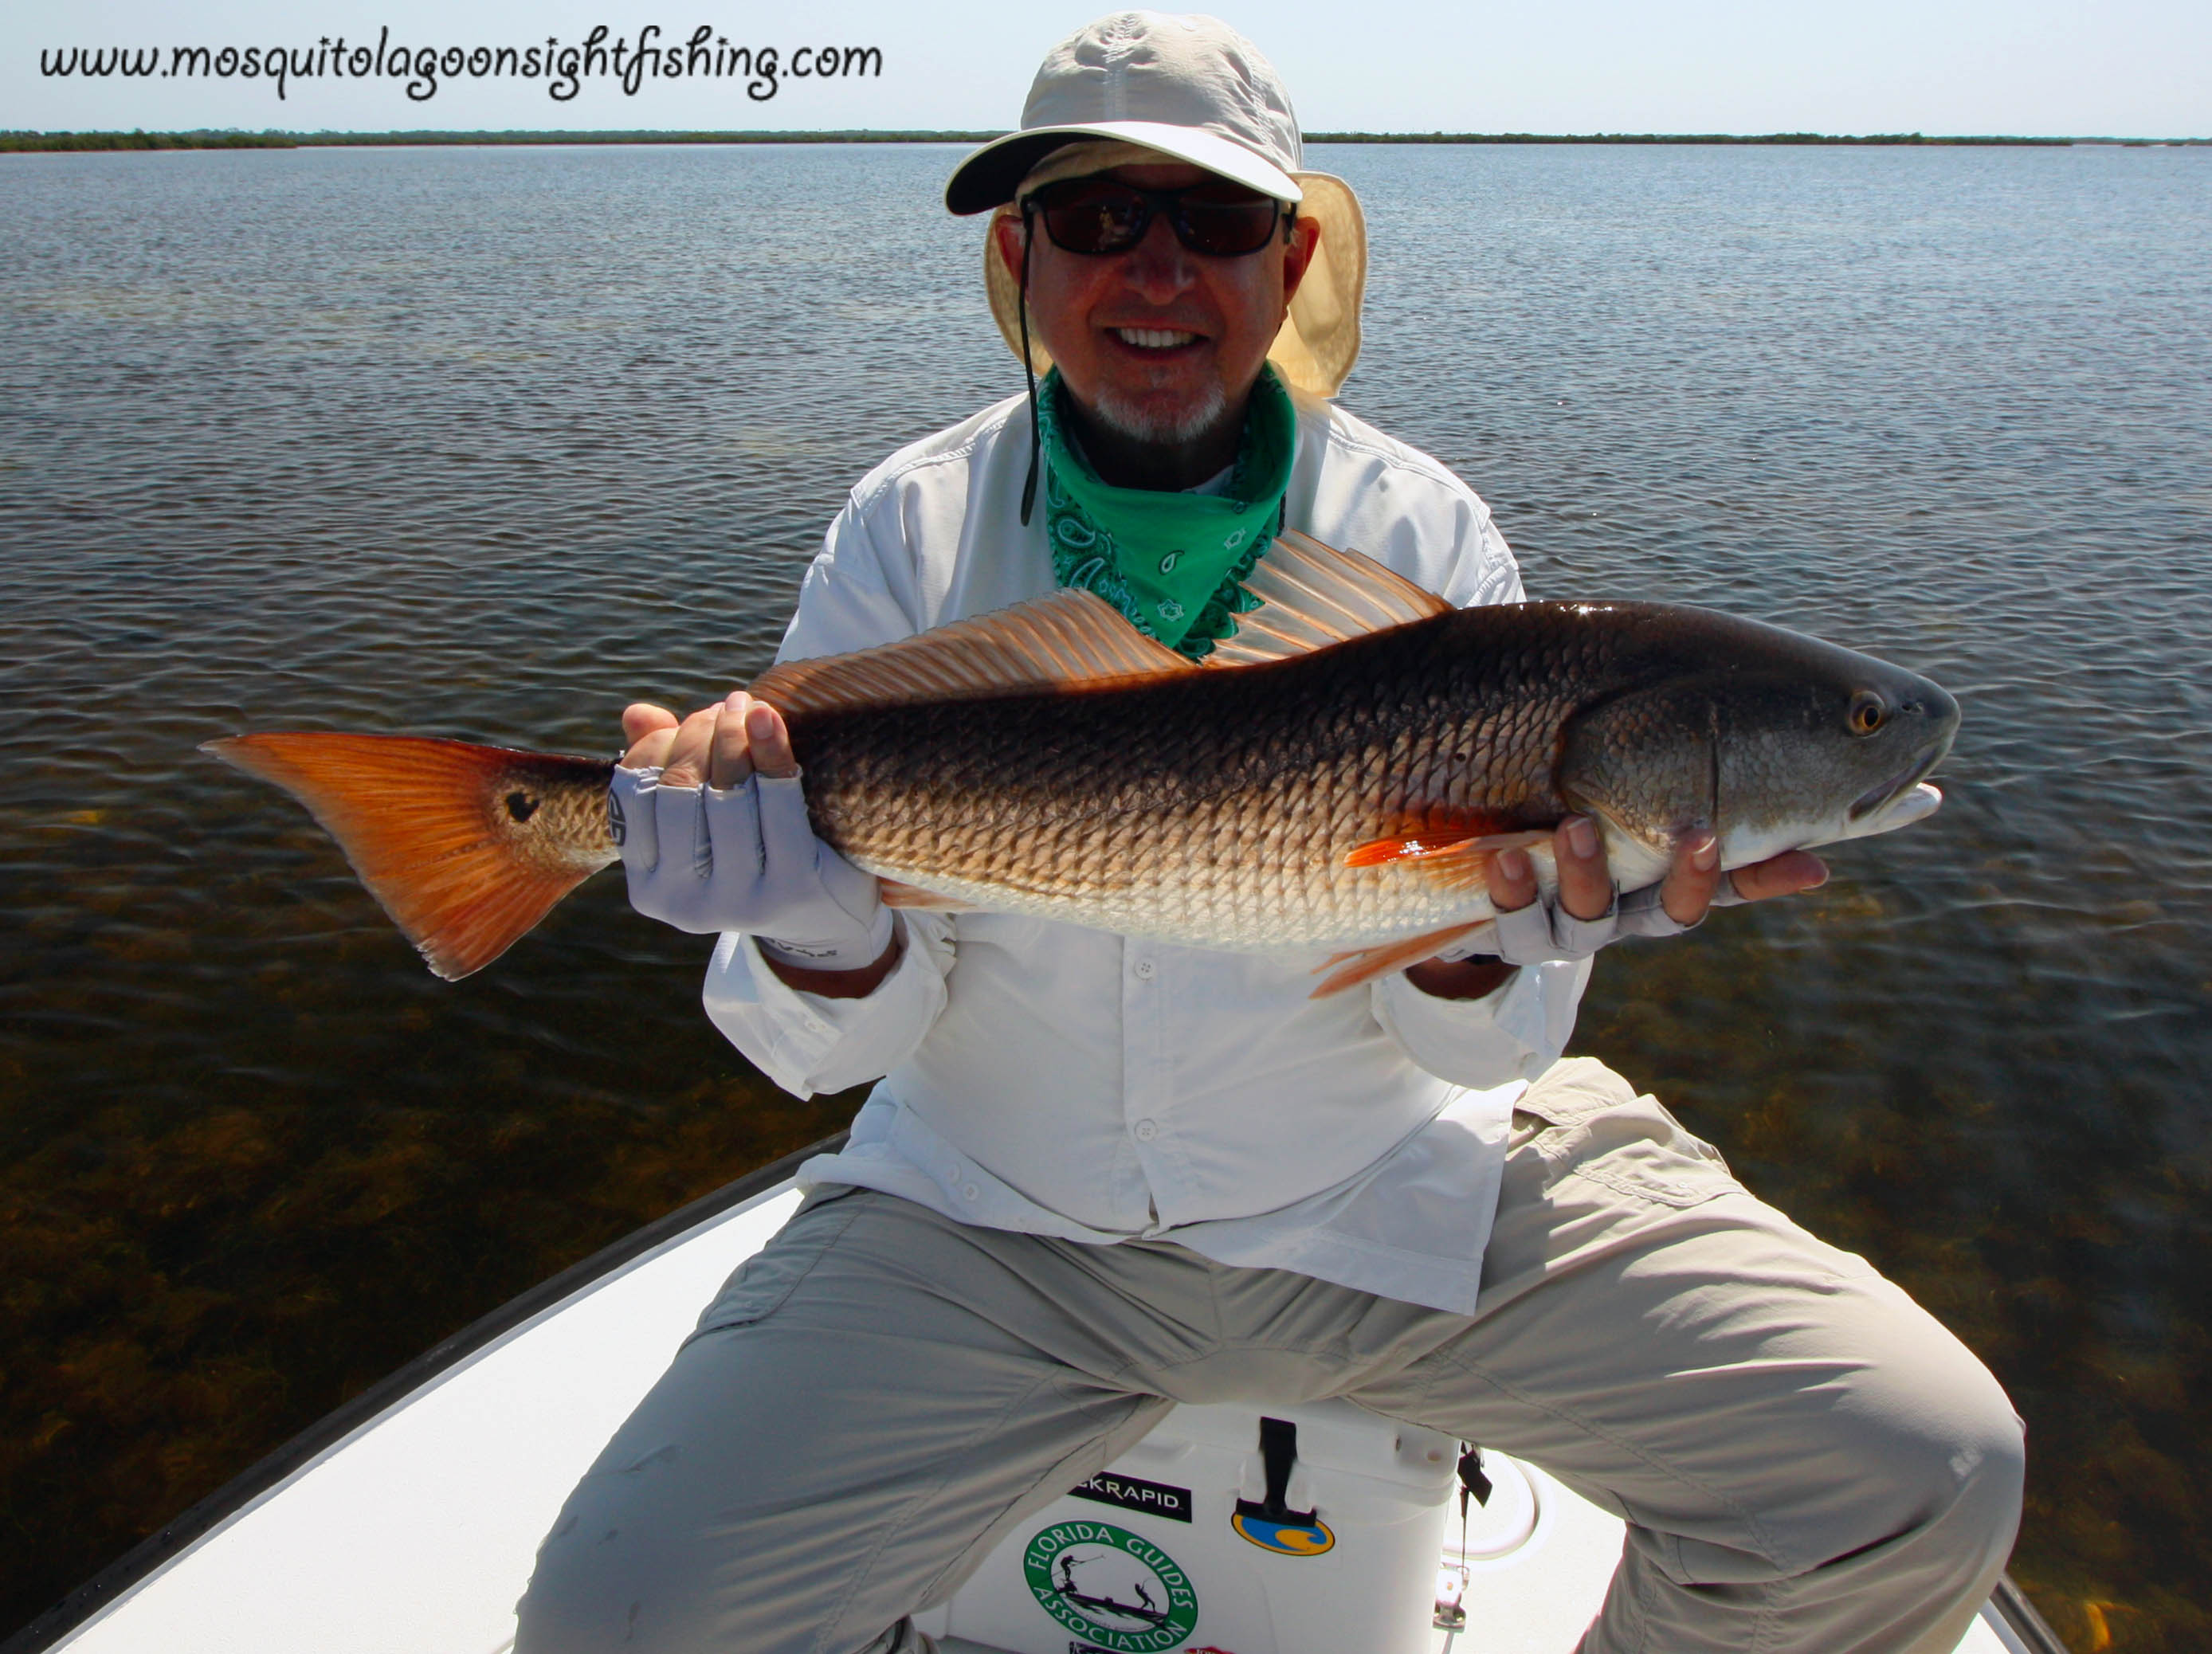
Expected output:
(68, 142)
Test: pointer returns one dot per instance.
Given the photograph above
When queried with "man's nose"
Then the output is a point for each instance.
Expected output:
(1160, 267)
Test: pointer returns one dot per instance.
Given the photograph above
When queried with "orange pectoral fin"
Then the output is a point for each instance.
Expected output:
(1381, 851)
(1421, 847)
(1455, 863)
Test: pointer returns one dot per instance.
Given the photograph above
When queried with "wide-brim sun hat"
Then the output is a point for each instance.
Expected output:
(1191, 90)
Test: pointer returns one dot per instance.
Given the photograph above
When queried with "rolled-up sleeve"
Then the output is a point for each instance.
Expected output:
(1515, 1032)
(807, 1044)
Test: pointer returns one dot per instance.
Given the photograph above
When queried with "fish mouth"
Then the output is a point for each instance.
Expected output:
(1882, 794)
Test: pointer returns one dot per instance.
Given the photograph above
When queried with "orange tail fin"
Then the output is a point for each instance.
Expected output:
(466, 847)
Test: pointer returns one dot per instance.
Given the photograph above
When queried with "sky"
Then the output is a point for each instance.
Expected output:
(2129, 68)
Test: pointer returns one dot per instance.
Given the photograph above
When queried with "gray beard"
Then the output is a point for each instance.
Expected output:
(1172, 430)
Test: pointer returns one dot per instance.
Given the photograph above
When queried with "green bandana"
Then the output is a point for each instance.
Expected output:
(1172, 562)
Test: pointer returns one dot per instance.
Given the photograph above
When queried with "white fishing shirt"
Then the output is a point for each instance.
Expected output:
(1059, 1080)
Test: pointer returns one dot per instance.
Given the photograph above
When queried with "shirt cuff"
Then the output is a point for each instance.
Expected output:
(1514, 1032)
(807, 1044)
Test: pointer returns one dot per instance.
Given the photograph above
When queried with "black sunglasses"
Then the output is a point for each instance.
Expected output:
(1100, 215)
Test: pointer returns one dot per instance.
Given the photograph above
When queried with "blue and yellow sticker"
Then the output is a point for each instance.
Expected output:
(1284, 1538)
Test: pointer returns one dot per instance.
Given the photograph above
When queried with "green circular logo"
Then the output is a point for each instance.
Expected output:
(1110, 1587)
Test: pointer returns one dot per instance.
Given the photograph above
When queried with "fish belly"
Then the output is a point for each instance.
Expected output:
(1232, 915)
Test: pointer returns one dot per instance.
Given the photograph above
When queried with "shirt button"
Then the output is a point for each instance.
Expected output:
(969, 1191)
(1146, 1131)
(1145, 969)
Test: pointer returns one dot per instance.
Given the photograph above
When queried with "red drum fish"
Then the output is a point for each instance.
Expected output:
(1335, 777)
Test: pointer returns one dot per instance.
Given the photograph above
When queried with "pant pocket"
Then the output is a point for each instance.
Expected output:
(766, 1280)
(1588, 1122)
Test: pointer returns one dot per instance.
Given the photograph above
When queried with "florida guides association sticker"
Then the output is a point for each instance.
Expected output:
(1111, 1587)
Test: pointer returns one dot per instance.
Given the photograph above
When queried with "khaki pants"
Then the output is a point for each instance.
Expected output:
(1806, 1459)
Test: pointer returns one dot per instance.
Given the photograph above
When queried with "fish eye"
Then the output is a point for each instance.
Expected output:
(1868, 713)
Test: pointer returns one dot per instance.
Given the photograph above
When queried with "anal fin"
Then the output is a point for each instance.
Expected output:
(913, 898)
(1364, 964)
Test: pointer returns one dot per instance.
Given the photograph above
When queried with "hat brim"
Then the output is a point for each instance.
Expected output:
(989, 177)
(1320, 338)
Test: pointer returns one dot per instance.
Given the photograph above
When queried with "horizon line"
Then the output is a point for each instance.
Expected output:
(271, 137)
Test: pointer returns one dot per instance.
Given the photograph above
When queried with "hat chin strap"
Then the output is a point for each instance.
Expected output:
(1029, 369)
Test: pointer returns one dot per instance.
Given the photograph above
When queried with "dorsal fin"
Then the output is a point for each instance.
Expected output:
(1313, 595)
(1069, 639)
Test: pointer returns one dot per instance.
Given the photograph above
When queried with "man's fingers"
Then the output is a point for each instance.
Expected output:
(688, 756)
(771, 741)
(1585, 884)
(1783, 875)
(652, 751)
(648, 731)
(1693, 878)
(1512, 878)
(732, 760)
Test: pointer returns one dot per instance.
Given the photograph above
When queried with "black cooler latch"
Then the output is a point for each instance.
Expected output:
(1279, 1451)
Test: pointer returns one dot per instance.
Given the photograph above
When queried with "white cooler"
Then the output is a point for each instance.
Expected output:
(1188, 1542)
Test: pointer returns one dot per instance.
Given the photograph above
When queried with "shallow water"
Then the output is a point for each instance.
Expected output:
(486, 442)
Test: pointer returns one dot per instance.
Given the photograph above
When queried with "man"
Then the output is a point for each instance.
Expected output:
(1102, 1173)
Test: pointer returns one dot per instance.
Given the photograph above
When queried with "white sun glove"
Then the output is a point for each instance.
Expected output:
(1544, 932)
(744, 858)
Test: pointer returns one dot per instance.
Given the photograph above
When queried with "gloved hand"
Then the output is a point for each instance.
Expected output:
(1532, 928)
(742, 855)
(706, 859)
(1545, 932)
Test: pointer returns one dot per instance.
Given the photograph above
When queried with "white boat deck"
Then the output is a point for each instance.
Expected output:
(415, 1533)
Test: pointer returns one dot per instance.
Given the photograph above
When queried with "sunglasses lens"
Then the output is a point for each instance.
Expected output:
(1099, 215)
(1089, 216)
(1227, 221)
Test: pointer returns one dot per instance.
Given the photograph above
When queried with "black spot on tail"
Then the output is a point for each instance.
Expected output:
(521, 806)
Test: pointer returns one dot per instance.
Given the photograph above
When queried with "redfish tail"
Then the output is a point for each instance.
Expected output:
(465, 846)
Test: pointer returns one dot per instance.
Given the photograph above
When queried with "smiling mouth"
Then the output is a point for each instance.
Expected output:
(1153, 338)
